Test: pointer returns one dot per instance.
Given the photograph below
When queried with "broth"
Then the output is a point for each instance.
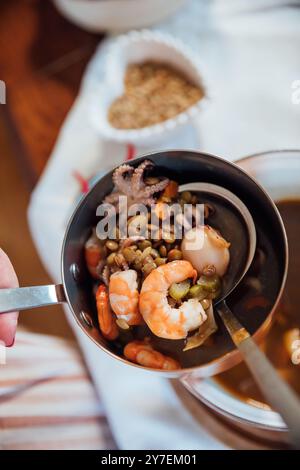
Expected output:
(282, 344)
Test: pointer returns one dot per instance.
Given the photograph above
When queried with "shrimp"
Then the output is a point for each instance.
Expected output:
(94, 256)
(106, 319)
(124, 296)
(162, 319)
(205, 246)
(142, 353)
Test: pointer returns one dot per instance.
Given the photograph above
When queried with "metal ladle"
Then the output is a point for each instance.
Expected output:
(277, 392)
(184, 166)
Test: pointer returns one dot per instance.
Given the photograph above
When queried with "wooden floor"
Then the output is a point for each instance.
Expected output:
(16, 241)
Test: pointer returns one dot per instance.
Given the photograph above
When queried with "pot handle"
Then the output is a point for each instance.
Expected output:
(24, 298)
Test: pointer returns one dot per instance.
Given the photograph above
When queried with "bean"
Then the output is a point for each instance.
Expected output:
(138, 265)
(148, 267)
(148, 259)
(168, 246)
(111, 259)
(154, 253)
(119, 260)
(159, 261)
(163, 251)
(146, 252)
(112, 245)
(129, 254)
(174, 255)
(186, 196)
(144, 244)
(157, 244)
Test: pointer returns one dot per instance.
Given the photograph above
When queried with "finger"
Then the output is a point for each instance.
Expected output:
(8, 321)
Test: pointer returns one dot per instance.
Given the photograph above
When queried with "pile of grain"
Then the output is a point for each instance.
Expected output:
(153, 93)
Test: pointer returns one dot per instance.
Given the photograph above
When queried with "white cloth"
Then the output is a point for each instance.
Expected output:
(252, 56)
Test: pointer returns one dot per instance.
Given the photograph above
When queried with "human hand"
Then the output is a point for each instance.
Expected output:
(8, 321)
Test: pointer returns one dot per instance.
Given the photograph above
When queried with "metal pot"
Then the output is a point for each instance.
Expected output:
(185, 167)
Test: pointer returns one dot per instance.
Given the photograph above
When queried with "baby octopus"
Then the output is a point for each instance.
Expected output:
(129, 181)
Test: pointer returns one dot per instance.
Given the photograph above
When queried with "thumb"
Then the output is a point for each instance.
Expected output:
(8, 321)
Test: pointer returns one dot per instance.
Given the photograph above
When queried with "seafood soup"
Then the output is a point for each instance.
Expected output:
(157, 261)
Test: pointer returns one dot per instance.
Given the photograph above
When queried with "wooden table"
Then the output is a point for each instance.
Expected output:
(42, 59)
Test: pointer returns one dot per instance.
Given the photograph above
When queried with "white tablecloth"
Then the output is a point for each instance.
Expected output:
(251, 51)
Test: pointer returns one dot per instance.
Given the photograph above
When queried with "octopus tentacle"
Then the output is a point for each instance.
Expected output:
(129, 181)
(155, 188)
(148, 201)
(119, 178)
(137, 181)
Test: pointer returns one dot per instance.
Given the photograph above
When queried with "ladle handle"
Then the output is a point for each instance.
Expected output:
(23, 298)
(277, 392)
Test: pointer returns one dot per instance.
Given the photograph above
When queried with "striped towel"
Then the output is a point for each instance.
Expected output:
(47, 400)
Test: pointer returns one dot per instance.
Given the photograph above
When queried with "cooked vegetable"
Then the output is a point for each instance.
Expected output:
(205, 330)
(179, 290)
(197, 292)
(210, 284)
